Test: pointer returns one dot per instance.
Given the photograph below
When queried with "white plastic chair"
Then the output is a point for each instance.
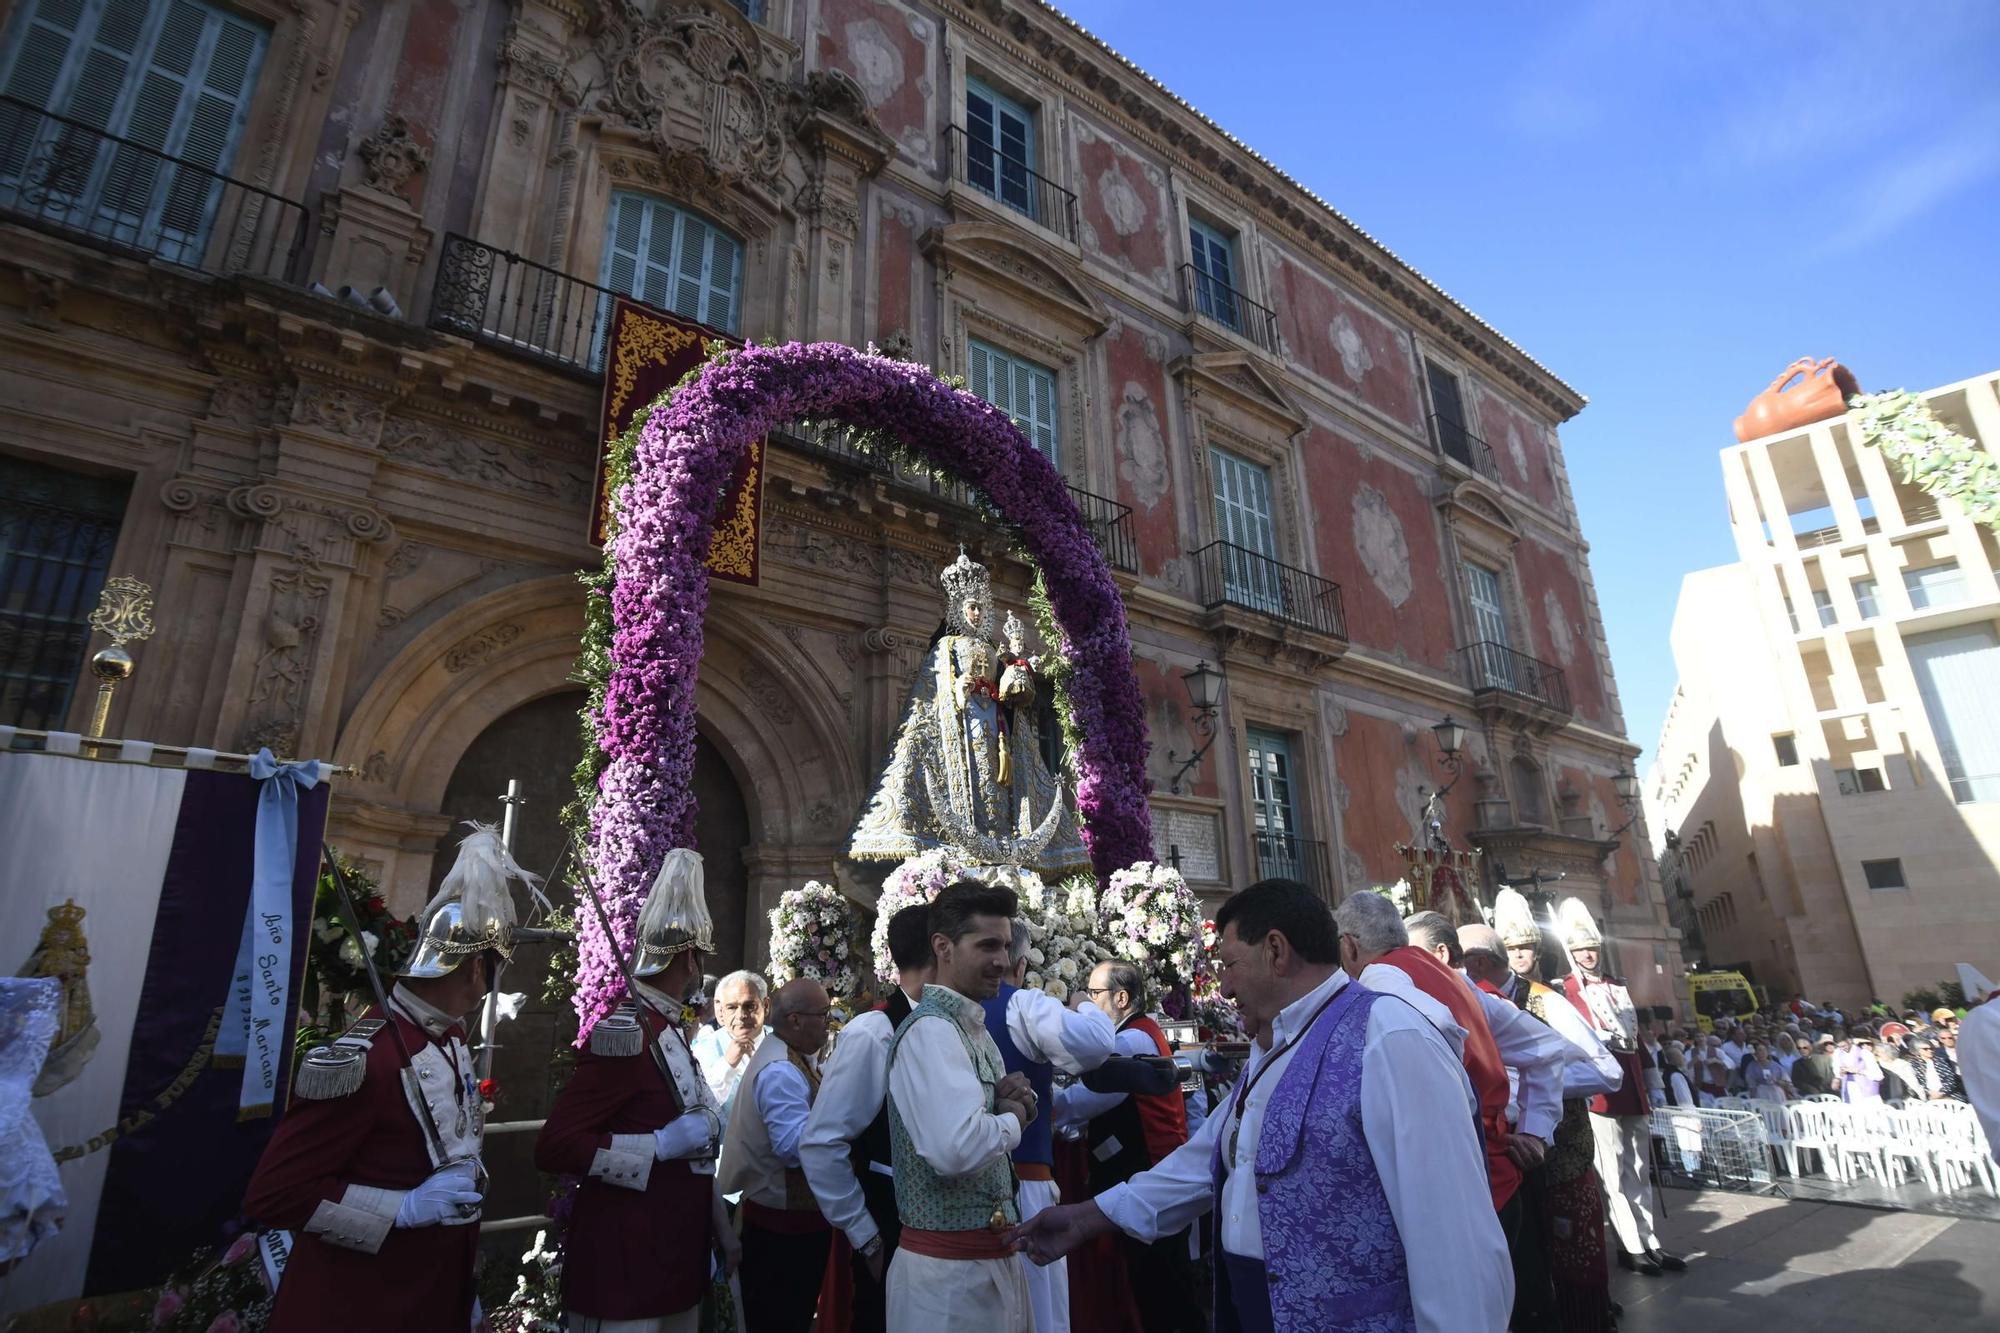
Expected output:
(1809, 1128)
(1777, 1130)
(1912, 1138)
(1958, 1143)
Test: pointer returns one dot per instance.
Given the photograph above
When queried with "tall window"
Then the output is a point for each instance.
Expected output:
(1941, 584)
(1243, 519)
(1274, 820)
(678, 261)
(172, 78)
(1823, 603)
(1213, 254)
(1956, 670)
(1448, 413)
(1020, 388)
(1864, 598)
(1492, 658)
(57, 531)
(1000, 155)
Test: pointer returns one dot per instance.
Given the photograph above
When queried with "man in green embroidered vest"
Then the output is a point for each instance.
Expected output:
(954, 1118)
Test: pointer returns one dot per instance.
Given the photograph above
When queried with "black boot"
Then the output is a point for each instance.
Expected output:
(1673, 1263)
(1641, 1263)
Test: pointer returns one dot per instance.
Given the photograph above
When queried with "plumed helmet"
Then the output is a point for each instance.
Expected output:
(474, 908)
(1515, 920)
(675, 916)
(1579, 929)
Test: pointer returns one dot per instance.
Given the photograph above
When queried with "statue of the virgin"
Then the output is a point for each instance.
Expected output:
(967, 773)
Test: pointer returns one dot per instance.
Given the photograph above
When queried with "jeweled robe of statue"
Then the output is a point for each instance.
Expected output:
(966, 773)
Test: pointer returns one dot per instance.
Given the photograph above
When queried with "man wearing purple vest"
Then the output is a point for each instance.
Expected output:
(1038, 1035)
(1345, 1171)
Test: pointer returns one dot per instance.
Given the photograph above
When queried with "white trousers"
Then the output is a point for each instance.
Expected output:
(929, 1295)
(687, 1321)
(1621, 1165)
(1048, 1288)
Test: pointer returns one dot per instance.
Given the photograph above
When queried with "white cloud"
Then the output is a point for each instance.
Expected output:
(1899, 192)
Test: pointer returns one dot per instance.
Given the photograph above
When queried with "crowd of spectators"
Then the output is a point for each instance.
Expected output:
(1803, 1050)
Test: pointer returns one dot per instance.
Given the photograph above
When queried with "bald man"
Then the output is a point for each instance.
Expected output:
(785, 1238)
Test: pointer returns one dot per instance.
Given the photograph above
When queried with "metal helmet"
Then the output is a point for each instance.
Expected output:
(675, 917)
(473, 911)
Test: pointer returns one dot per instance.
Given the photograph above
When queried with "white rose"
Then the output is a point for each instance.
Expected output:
(369, 941)
(350, 952)
(1066, 969)
(1033, 981)
(1057, 989)
(1036, 957)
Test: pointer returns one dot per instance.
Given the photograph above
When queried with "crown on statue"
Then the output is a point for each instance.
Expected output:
(965, 579)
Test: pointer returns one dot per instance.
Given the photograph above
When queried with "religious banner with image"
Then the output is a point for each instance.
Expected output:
(647, 352)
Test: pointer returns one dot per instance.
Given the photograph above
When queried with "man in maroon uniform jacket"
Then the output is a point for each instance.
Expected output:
(384, 1201)
(639, 1125)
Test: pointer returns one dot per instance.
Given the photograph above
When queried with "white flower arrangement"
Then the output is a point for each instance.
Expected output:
(917, 880)
(1066, 939)
(1154, 919)
(811, 930)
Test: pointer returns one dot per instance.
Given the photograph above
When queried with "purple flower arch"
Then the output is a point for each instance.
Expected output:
(686, 453)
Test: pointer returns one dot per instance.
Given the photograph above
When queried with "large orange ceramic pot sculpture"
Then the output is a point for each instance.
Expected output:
(1821, 390)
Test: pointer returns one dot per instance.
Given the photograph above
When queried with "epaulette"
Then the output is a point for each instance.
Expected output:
(618, 1033)
(340, 1069)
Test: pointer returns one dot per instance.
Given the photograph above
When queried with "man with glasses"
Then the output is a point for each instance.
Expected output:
(725, 1050)
(785, 1238)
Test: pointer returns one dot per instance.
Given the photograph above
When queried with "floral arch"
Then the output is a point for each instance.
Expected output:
(637, 782)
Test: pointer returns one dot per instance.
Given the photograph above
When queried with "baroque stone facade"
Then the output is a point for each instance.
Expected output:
(365, 520)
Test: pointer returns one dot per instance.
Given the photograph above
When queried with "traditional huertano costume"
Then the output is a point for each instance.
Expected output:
(954, 1183)
(640, 1127)
(785, 1239)
(376, 1164)
(1037, 1035)
(1354, 1131)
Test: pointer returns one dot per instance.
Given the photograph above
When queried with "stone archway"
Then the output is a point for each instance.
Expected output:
(777, 729)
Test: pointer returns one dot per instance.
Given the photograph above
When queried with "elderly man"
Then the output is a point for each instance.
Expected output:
(725, 1050)
(1037, 1035)
(1133, 1132)
(845, 1152)
(1349, 1095)
(785, 1239)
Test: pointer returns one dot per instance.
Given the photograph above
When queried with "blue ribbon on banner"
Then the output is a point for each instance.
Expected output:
(260, 994)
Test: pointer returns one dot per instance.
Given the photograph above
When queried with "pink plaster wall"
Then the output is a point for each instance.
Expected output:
(1126, 213)
(895, 260)
(1342, 340)
(424, 73)
(1549, 588)
(1140, 394)
(891, 52)
(1519, 441)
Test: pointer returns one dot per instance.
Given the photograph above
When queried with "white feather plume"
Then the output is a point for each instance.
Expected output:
(1579, 928)
(676, 902)
(1514, 919)
(478, 879)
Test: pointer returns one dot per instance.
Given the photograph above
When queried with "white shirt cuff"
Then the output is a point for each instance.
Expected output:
(627, 1163)
(359, 1221)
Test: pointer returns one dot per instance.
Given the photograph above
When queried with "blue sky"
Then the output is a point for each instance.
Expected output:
(1662, 202)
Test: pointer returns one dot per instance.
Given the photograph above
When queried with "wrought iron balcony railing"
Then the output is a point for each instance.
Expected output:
(1237, 576)
(981, 165)
(1456, 442)
(494, 297)
(1205, 295)
(1494, 666)
(1110, 522)
(70, 177)
(1288, 856)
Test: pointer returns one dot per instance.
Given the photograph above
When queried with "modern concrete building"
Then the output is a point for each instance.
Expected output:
(1829, 771)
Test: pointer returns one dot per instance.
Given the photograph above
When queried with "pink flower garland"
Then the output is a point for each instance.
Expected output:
(686, 454)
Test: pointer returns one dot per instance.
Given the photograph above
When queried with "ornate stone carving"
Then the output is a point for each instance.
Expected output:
(770, 694)
(484, 460)
(342, 412)
(201, 514)
(241, 402)
(375, 768)
(308, 528)
(391, 155)
(292, 622)
(475, 649)
(687, 79)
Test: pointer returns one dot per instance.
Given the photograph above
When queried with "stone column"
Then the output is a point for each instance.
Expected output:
(836, 129)
(534, 131)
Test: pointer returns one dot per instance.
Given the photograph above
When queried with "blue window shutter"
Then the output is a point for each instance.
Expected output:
(1025, 391)
(1000, 134)
(673, 260)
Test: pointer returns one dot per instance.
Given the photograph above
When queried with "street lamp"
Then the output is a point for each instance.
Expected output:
(1204, 690)
(1626, 784)
(1450, 735)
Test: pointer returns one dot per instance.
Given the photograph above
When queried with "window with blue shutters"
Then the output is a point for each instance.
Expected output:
(173, 79)
(1243, 520)
(1213, 255)
(1275, 827)
(1000, 136)
(673, 260)
(1021, 389)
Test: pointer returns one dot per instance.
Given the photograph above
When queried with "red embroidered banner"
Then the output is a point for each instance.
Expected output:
(646, 353)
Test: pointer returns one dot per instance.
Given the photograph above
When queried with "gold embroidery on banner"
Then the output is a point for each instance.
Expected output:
(640, 341)
(734, 549)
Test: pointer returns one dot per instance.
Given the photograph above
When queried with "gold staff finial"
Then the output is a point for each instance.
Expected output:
(125, 613)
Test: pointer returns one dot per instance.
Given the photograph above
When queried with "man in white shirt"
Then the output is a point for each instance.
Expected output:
(954, 1116)
(785, 1238)
(1348, 1095)
(845, 1151)
(1979, 1051)
(724, 1052)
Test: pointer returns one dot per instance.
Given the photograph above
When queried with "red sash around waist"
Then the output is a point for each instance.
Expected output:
(1034, 1171)
(976, 1244)
(783, 1221)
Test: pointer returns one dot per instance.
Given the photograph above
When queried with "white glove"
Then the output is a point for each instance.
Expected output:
(683, 1136)
(450, 1194)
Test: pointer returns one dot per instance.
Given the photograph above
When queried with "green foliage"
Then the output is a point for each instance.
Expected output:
(1929, 453)
(1944, 995)
(1058, 670)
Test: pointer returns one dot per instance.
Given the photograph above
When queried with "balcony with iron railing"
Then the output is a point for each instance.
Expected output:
(1109, 522)
(981, 166)
(1235, 576)
(1205, 295)
(1288, 856)
(71, 178)
(1460, 445)
(502, 300)
(1514, 682)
